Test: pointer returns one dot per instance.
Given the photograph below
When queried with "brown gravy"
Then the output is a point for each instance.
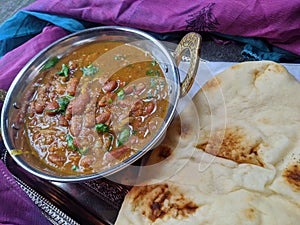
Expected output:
(96, 107)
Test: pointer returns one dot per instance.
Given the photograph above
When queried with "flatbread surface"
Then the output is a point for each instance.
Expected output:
(231, 157)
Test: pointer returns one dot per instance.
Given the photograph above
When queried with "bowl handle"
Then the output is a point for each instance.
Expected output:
(2, 98)
(2, 95)
(192, 42)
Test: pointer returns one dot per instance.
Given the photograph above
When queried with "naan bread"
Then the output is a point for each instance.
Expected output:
(231, 157)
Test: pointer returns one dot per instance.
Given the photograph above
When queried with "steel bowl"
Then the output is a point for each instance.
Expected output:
(21, 89)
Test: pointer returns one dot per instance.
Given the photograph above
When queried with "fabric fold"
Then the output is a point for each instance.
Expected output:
(16, 207)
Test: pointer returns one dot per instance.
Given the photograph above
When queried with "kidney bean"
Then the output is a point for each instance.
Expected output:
(125, 103)
(39, 106)
(51, 107)
(103, 117)
(31, 110)
(79, 103)
(134, 140)
(117, 153)
(76, 125)
(105, 100)
(149, 108)
(137, 109)
(69, 110)
(110, 86)
(138, 105)
(87, 161)
(63, 121)
(140, 88)
(136, 123)
(128, 89)
(89, 120)
(60, 89)
(72, 85)
(76, 142)
(56, 158)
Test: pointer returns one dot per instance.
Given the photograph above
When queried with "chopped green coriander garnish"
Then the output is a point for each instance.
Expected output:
(63, 103)
(152, 82)
(110, 101)
(123, 136)
(153, 72)
(74, 167)
(121, 94)
(149, 72)
(103, 128)
(120, 57)
(70, 142)
(83, 150)
(64, 71)
(153, 62)
(89, 70)
(50, 63)
(71, 145)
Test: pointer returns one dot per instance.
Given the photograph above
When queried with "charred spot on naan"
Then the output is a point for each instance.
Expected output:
(292, 176)
(160, 153)
(259, 71)
(215, 82)
(164, 151)
(185, 130)
(250, 213)
(270, 67)
(161, 202)
(233, 144)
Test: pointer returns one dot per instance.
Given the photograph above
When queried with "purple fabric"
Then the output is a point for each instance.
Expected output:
(15, 206)
(276, 20)
(13, 61)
